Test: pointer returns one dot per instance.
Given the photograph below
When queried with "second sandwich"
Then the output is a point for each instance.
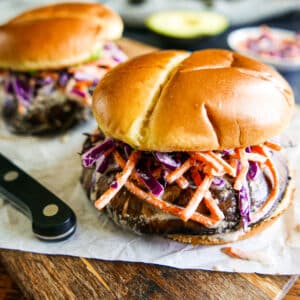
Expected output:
(51, 58)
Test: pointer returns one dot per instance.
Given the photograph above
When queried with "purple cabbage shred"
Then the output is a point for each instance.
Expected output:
(78, 92)
(244, 206)
(114, 184)
(166, 159)
(218, 182)
(253, 170)
(90, 157)
(151, 182)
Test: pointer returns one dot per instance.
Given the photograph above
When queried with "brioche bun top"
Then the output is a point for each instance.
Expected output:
(177, 101)
(56, 36)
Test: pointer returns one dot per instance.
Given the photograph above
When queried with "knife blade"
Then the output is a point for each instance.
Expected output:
(52, 219)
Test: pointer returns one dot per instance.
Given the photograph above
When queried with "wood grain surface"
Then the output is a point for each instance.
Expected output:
(8, 288)
(10, 291)
(61, 277)
(294, 292)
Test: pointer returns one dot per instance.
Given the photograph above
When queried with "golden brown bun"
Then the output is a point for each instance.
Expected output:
(234, 237)
(56, 36)
(93, 12)
(209, 100)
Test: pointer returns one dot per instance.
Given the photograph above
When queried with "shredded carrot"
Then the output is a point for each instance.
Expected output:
(177, 173)
(121, 180)
(213, 172)
(194, 202)
(241, 177)
(257, 149)
(125, 207)
(168, 207)
(108, 152)
(121, 162)
(265, 208)
(119, 159)
(70, 84)
(208, 160)
(234, 163)
(234, 155)
(196, 176)
(273, 146)
(227, 168)
(82, 85)
(235, 252)
(94, 138)
(213, 207)
(182, 182)
(256, 157)
(21, 108)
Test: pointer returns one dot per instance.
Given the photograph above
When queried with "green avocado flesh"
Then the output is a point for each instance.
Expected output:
(187, 24)
(96, 55)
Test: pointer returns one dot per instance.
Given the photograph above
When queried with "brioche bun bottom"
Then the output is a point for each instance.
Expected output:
(225, 238)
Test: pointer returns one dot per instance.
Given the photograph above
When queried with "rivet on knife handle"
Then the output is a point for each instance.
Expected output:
(52, 219)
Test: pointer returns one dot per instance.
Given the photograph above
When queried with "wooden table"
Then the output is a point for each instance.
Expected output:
(10, 291)
(8, 288)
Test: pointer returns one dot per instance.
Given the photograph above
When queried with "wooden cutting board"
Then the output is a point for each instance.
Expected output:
(61, 277)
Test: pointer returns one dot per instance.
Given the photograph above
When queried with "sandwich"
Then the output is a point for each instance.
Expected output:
(187, 146)
(51, 59)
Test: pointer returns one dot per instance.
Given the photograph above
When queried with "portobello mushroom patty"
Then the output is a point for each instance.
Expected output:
(130, 212)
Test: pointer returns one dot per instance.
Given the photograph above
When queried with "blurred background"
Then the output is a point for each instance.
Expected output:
(134, 12)
(188, 32)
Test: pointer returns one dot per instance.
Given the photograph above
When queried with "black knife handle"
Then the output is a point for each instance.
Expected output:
(51, 218)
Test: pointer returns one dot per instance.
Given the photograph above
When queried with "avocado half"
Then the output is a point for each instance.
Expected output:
(187, 24)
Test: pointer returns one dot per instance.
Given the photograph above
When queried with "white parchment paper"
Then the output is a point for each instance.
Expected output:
(55, 162)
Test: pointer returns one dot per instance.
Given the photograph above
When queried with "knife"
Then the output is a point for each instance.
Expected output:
(52, 219)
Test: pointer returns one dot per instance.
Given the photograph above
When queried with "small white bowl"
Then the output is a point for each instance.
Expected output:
(235, 38)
